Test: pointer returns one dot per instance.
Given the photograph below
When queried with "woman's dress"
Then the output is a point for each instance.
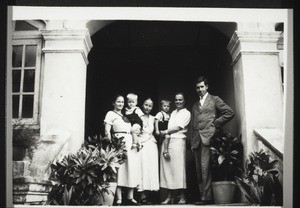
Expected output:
(149, 156)
(129, 173)
(172, 171)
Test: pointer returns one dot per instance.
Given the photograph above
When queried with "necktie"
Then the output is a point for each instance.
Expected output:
(200, 102)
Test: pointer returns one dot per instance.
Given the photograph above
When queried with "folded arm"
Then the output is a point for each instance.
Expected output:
(171, 130)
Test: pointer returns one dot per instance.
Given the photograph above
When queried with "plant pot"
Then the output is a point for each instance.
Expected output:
(19, 153)
(108, 198)
(223, 192)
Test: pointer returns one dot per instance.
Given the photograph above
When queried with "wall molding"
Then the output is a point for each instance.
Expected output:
(60, 35)
(236, 47)
(66, 50)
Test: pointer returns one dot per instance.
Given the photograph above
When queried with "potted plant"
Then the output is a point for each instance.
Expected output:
(226, 153)
(116, 145)
(84, 178)
(25, 140)
(261, 185)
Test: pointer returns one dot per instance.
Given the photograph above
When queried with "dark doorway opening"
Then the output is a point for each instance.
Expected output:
(156, 59)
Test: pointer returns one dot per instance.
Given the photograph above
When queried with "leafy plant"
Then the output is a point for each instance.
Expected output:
(226, 152)
(260, 184)
(116, 145)
(84, 176)
(26, 137)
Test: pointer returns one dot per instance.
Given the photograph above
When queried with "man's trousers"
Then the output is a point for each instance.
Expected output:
(204, 171)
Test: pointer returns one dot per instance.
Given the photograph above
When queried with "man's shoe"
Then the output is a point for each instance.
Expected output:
(144, 201)
(204, 202)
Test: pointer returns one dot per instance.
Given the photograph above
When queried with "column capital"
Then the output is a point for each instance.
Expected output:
(67, 41)
(253, 42)
(256, 26)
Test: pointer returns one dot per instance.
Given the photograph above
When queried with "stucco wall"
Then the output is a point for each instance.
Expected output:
(63, 96)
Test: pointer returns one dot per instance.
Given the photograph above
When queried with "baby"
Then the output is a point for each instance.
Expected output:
(161, 123)
(133, 113)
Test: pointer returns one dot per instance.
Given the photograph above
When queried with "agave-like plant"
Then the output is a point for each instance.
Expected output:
(83, 177)
(115, 148)
(250, 189)
(261, 184)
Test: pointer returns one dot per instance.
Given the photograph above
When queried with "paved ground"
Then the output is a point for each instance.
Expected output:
(144, 206)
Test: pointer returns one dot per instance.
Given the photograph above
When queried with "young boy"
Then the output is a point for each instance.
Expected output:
(161, 123)
(133, 113)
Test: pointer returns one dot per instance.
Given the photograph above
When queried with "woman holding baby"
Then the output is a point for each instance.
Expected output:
(172, 171)
(144, 141)
(141, 167)
(129, 173)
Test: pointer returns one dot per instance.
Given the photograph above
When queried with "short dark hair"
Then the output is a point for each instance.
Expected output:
(148, 99)
(183, 94)
(202, 79)
(180, 93)
(116, 97)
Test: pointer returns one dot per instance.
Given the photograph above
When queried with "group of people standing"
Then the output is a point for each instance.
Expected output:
(150, 166)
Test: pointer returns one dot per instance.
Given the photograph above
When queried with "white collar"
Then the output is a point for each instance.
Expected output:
(130, 109)
(163, 112)
(204, 97)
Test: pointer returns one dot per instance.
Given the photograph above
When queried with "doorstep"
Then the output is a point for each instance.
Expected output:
(236, 205)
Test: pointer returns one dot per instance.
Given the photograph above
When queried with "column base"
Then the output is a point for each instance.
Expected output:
(28, 190)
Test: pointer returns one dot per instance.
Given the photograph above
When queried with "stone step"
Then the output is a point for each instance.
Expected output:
(28, 190)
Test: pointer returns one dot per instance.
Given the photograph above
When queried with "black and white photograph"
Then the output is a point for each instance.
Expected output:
(144, 106)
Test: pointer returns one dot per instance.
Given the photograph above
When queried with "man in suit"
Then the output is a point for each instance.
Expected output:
(208, 114)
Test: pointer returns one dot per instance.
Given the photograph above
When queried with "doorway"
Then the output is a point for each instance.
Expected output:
(156, 59)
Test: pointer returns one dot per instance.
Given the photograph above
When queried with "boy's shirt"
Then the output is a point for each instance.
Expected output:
(162, 115)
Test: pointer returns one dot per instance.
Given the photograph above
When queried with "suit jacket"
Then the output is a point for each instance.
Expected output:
(205, 121)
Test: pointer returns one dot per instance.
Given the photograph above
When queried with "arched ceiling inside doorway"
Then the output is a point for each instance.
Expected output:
(96, 25)
(159, 33)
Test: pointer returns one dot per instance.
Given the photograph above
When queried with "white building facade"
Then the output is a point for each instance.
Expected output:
(49, 67)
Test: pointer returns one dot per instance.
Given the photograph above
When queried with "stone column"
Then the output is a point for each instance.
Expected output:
(257, 79)
(63, 80)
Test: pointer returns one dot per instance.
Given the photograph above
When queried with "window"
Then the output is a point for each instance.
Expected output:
(279, 27)
(25, 79)
(26, 59)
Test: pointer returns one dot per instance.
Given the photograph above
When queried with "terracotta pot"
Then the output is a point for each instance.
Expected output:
(223, 192)
(108, 198)
(19, 153)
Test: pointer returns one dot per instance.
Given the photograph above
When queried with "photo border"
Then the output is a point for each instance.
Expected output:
(289, 95)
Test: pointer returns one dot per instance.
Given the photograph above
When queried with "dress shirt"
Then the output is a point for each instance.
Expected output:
(202, 100)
